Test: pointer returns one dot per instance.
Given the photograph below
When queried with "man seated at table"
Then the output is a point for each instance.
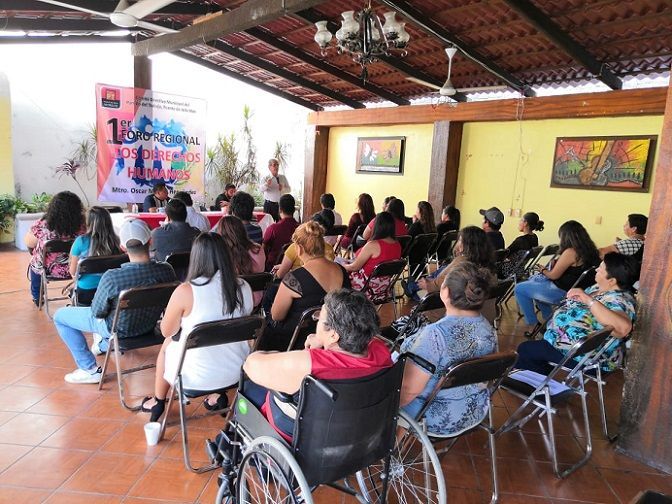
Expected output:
(634, 229)
(175, 235)
(194, 217)
(224, 199)
(279, 234)
(493, 218)
(71, 322)
(242, 206)
(158, 199)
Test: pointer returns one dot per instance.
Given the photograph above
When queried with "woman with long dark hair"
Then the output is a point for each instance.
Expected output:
(365, 213)
(423, 220)
(397, 210)
(550, 285)
(63, 220)
(99, 240)
(212, 291)
(450, 220)
(528, 225)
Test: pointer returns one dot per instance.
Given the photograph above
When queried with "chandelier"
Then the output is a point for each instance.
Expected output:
(364, 36)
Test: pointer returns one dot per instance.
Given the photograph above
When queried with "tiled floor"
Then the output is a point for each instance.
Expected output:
(62, 443)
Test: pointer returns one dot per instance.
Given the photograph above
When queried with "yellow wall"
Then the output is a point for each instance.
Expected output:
(6, 172)
(492, 153)
(503, 164)
(346, 185)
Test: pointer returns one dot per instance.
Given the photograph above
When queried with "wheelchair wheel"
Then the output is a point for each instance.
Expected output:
(415, 473)
(269, 474)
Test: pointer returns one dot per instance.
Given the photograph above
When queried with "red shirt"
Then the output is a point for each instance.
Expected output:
(388, 252)
(276, 236)
(330, 365)
(400, 228)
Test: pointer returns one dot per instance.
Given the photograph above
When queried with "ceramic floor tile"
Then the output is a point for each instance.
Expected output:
(627, 484)
(19, 398)
(50, 377)
(11, 453)
(82, 498)
(12, 373)
(84, 434)
(13, 495)
(164, 481)
(108, 473)
(515, 476)
(44, 468)
(67, 402)
(131, 440)
(30, 429)
(586, 483)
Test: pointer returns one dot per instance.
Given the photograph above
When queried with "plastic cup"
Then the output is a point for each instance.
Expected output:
(152, 431)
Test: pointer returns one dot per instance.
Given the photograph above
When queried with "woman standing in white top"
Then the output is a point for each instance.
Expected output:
(212, 291)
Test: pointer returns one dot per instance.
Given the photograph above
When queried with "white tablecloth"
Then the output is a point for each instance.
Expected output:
(119, 218)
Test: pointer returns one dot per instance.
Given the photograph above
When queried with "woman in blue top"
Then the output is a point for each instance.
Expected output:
(462, 334)
(99, 240)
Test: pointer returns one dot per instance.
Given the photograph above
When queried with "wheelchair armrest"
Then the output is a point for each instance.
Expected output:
(428, 366)
(284, 397)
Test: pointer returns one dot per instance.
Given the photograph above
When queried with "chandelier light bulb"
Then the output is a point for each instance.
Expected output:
(403, 37)
(349, 26)
(391, 26)
(323, 35)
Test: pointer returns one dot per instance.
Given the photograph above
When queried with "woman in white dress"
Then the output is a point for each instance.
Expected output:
(212, 291)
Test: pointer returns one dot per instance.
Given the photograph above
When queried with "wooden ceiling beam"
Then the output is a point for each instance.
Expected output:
(250, 14)
(533, 15)
(426, 24)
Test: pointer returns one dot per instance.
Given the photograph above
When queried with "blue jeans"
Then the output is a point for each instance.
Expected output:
(70, 323)
(536, 355)
(35, 281)
(541, 290)
(412, 286)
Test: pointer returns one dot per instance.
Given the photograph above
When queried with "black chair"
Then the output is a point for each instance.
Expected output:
(550, 252)
(405, 242)
(52, 247)
(379, 287)
(307, 325)
(543, 402)
(494, 304)
(92, 266)
(206, 335)
(430, 302)
(338, 231)
(155, 298)
(418, 252)
(444, 247)
(522, 266)
(354, 245)
(258, 283)
(113, 209)
(491, 370)
(281, 255)
(180, 263)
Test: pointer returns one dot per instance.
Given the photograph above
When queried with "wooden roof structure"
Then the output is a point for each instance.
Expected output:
(521, 44)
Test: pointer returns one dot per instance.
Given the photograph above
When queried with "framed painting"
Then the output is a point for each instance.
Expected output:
(618, 163)
(383, 155)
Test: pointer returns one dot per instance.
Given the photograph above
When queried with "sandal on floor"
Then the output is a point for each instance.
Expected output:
(156, 411)
(222, 402)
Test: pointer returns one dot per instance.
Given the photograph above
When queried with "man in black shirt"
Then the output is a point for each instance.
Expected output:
(176, 235)
(158, 199)
(224, 199)
(493, 218)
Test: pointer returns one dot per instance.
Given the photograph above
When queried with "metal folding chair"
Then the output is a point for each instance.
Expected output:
(575, 360)
(95, 265)
(307, 325)
(180, 263)
(523, 265)
(386, 272)
(444, 248)
(154, 297)
(206, 335)
(497, 296)
(353, 246)
(258, 283)
(405, 242)
(52, 247)
(418, 251)
(491, 370)
(430, 302)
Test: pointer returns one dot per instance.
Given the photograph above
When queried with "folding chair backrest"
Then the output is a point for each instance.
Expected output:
(530, 259)
(56, 247)
(100, 264)
(586, 279)
(344, 426)
(389, 268)
(220, 332)
(336, 230)
(445, 245)
(420, 247)
(430, 302)
(153, 296)
(258, 281)
(590, 343)
(281, 255)
(549, 251)
(305, 327)
(180, 263)
(491, 368)
(405, 242)
(500, 288)
(500, 255)
(114, 209)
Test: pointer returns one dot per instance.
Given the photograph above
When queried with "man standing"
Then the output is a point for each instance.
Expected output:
(493, 218)
(176, 235)
(158, 199)
(273, 186)
(224, 199)
(71, 322)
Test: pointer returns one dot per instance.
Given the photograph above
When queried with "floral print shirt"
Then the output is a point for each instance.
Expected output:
(446, 343)
(573, 321)
(56, 264)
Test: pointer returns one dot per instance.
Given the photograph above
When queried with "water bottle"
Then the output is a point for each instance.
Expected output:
(134, 208)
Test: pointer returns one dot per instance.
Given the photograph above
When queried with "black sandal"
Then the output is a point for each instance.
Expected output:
(156, 411)
(222, 403)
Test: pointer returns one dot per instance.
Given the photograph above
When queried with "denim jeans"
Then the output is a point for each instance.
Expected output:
(35, 281)
(71, 323)
(541, 290)
(536, 355)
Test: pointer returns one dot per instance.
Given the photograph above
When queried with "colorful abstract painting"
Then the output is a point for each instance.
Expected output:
(610, 163)
(380, 155)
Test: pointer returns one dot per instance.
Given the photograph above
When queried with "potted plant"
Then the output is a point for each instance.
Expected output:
(9, 206)
(27, 213)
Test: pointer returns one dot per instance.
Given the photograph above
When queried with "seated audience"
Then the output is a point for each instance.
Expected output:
(386, 202)
(242, 206)
(247, 257)
(212, 291)
(365, 213)
(549, 286)
(461, 335)
(71, 322)
(158, 199)
(396, 208)
(302, 288)
(607, 303)
(344, 346)
(528, 224)
(493, 218)
(423, 220)
(99, 240)
(450, 220)
(63, 220)
(194, 218)
(634, 229)
(381, 247)
(327, 201)
(222, 200)
(174, 236)
(279, 234)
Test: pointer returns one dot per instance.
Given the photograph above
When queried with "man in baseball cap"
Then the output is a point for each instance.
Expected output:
(493, 218)
(71, 322)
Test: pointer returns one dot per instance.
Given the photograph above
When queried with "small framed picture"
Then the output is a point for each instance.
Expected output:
(382, 155)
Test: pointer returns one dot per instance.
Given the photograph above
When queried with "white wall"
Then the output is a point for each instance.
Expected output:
(53, 102)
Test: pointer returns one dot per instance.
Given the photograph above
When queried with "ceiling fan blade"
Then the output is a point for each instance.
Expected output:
(145, 7)
(76, 8)
(481, 89)
(154, 27)
(423, 83)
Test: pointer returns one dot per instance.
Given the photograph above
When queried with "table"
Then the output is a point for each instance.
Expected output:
(154, 220)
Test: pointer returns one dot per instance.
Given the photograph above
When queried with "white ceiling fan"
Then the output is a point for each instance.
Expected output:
(125, 15)
(448, 89)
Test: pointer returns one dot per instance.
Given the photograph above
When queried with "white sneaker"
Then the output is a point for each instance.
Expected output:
(83, 376)
(95, 347)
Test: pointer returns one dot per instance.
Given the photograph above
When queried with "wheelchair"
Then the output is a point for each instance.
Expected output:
(348, 434)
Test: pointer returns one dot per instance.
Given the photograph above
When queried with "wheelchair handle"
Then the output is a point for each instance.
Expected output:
(425, 364)
(326, 389)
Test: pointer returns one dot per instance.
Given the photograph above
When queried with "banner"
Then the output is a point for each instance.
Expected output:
(144, 138)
